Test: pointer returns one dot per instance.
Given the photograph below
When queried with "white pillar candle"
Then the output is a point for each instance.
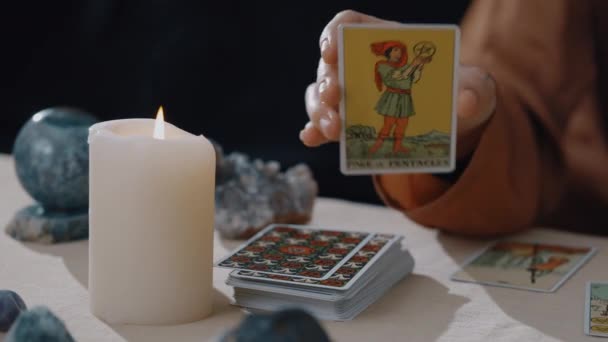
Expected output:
(151, 223)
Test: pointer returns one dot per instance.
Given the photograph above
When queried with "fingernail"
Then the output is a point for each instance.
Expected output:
(323, 86)
(303, 131)
(324, 45)
(324, 123)
(467, 104)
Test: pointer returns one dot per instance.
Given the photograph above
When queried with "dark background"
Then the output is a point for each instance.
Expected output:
(232, 70)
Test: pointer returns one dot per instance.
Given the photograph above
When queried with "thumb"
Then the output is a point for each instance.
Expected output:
(476, 99)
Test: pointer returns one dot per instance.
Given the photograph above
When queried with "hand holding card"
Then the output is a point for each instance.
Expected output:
(475, 103)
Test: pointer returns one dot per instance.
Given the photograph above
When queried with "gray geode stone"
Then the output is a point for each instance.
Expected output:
(11, 305)
(252, 194)
(38, 325)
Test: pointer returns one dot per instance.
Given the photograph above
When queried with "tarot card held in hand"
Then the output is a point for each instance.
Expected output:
(524, 265)
(596, 309)
(398, 98)
(296, 251)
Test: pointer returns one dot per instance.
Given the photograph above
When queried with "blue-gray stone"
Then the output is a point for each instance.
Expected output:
(11, 305)
(290, 325)
(52, 158)
(38, 325)
(35, 224)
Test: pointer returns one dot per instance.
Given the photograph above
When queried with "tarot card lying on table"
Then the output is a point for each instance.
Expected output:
(524, 265)
(317, 272)
(596, 309)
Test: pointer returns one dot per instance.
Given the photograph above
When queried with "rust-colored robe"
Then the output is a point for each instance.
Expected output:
(542, 158)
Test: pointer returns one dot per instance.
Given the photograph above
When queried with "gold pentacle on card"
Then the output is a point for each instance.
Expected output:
(424, 49)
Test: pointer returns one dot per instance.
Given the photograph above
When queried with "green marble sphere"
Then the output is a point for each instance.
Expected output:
(52, 163)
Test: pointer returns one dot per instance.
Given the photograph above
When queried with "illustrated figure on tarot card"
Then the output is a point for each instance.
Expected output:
(396, 77)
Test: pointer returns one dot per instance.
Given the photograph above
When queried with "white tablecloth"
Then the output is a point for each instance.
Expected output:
(426, 306)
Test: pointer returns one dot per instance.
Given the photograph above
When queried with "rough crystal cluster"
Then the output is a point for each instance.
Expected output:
(252, 194)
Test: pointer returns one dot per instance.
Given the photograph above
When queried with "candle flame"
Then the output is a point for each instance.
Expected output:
(159, 124)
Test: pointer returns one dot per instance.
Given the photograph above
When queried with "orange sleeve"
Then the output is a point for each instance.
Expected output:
(524, 45)
(497, 192)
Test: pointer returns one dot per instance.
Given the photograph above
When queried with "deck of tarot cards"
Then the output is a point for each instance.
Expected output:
(332, 274)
